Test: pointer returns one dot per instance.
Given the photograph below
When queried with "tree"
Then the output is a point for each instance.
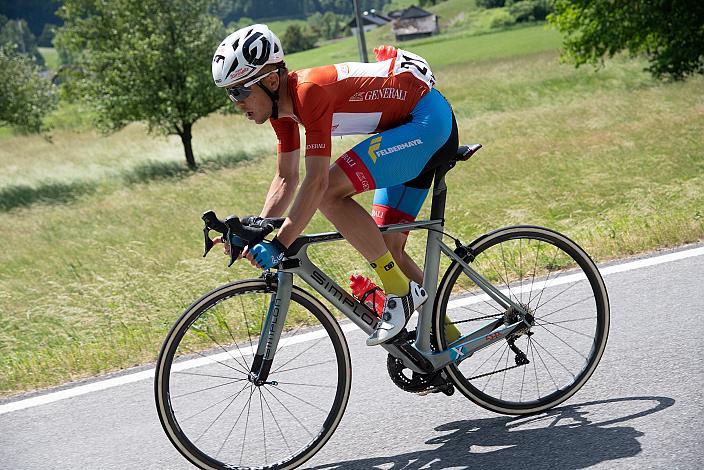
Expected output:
(297, 39)
(25, 96)
(15, 34)
(144, 60)
(327, 26)
(669, 32)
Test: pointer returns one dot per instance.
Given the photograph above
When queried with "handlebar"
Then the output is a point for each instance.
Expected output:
(251, 229)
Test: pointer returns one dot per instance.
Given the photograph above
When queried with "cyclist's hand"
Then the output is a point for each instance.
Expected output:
(235, 242)
(265, 255)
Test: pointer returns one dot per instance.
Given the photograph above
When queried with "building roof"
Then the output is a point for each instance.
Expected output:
(414, 12)
(370, 17)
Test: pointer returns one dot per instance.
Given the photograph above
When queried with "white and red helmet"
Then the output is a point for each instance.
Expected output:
(244, 53)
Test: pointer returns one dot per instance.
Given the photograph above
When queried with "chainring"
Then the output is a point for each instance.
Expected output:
(415, 383)
(406, 379)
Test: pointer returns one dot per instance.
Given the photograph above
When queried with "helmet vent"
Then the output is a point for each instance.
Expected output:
(235, 44)
(233, 66)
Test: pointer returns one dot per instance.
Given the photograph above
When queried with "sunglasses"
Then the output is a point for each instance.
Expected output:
(241, 93)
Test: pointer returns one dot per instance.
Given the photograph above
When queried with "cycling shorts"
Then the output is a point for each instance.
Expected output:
(400, 163)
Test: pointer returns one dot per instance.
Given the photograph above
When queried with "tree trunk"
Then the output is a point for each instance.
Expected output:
(186, 138)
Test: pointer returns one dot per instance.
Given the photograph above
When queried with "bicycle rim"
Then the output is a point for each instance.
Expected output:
(216, 417)
(560, 286)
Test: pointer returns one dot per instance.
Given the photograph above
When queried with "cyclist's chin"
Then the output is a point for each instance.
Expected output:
(257, 118)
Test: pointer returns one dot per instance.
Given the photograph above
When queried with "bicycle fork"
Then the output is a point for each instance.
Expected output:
(272, 328)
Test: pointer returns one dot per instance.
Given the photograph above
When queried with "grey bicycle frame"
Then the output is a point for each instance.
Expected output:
(418, 355)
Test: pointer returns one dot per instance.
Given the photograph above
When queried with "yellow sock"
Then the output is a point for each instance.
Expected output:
(395, 282)
(451, 331)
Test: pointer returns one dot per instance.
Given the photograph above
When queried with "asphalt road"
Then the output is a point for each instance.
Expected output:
(643, 408)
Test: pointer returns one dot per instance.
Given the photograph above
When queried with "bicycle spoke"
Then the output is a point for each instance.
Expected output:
(229, 331)
(535, 268)
(300, 399)
(283, 436)
(547, 370)
(299, 354)
(215, 404)
(307, 385)
(535, 370)
(566, 307)
(520, 264)
(216, 361)
(566, 321)
(485, 301)
(523, 379)
(261, 407)
(289, 412)
(221, 413)
(497, 349)
(489, 377)
(570, 286)
(246, 426)
(304, 367)
(179, 372)
(228, 352)
(209, 388)
(246, 325)
(554, 358)
(565, 328)
(545, 284)
(563, 342)
(503, 381)
(508, 286)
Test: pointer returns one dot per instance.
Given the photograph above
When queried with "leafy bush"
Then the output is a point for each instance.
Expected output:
(25, 96)
(530, 10)
(502, 18)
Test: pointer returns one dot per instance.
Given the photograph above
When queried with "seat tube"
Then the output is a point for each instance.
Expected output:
(432, 262)
(272, 328)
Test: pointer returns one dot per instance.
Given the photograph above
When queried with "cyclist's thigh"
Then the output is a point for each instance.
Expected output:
(397, 204)
(398, 155)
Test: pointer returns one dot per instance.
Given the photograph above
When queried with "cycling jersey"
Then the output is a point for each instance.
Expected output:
(394, 99)
(351, 98)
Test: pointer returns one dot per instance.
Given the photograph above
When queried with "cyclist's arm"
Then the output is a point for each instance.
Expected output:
(283, 186)
(307, 200)
(316, 114)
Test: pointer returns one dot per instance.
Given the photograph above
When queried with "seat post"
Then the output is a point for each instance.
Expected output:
(437, 207)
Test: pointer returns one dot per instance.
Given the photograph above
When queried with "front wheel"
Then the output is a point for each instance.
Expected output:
(216, 416)
(560, 286)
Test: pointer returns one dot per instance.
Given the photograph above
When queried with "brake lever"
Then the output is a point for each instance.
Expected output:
(209, 244)
(234, 251)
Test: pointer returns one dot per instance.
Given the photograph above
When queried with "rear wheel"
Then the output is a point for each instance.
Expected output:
(557, 282)
(215, 416)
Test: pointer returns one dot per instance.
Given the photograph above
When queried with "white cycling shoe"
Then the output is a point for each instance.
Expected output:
(397, 311)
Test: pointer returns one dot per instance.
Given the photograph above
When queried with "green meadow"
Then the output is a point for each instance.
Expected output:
(102, 240)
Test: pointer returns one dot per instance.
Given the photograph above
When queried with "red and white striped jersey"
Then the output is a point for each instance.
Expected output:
(352, 98)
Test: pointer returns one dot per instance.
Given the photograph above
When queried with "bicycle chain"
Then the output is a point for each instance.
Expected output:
(495, 372)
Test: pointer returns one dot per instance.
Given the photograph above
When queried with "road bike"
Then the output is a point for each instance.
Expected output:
(257, 373)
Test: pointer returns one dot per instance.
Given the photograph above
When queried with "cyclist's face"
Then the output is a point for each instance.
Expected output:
(256, 104)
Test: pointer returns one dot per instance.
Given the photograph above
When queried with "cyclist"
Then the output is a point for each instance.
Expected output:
(413, 131)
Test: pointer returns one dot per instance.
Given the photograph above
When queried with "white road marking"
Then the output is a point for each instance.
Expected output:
(149, 374)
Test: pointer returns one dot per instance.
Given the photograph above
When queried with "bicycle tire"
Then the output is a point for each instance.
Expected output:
(179, 426)
(580, 269)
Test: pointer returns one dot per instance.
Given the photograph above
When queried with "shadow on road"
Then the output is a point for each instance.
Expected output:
(570, 437)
